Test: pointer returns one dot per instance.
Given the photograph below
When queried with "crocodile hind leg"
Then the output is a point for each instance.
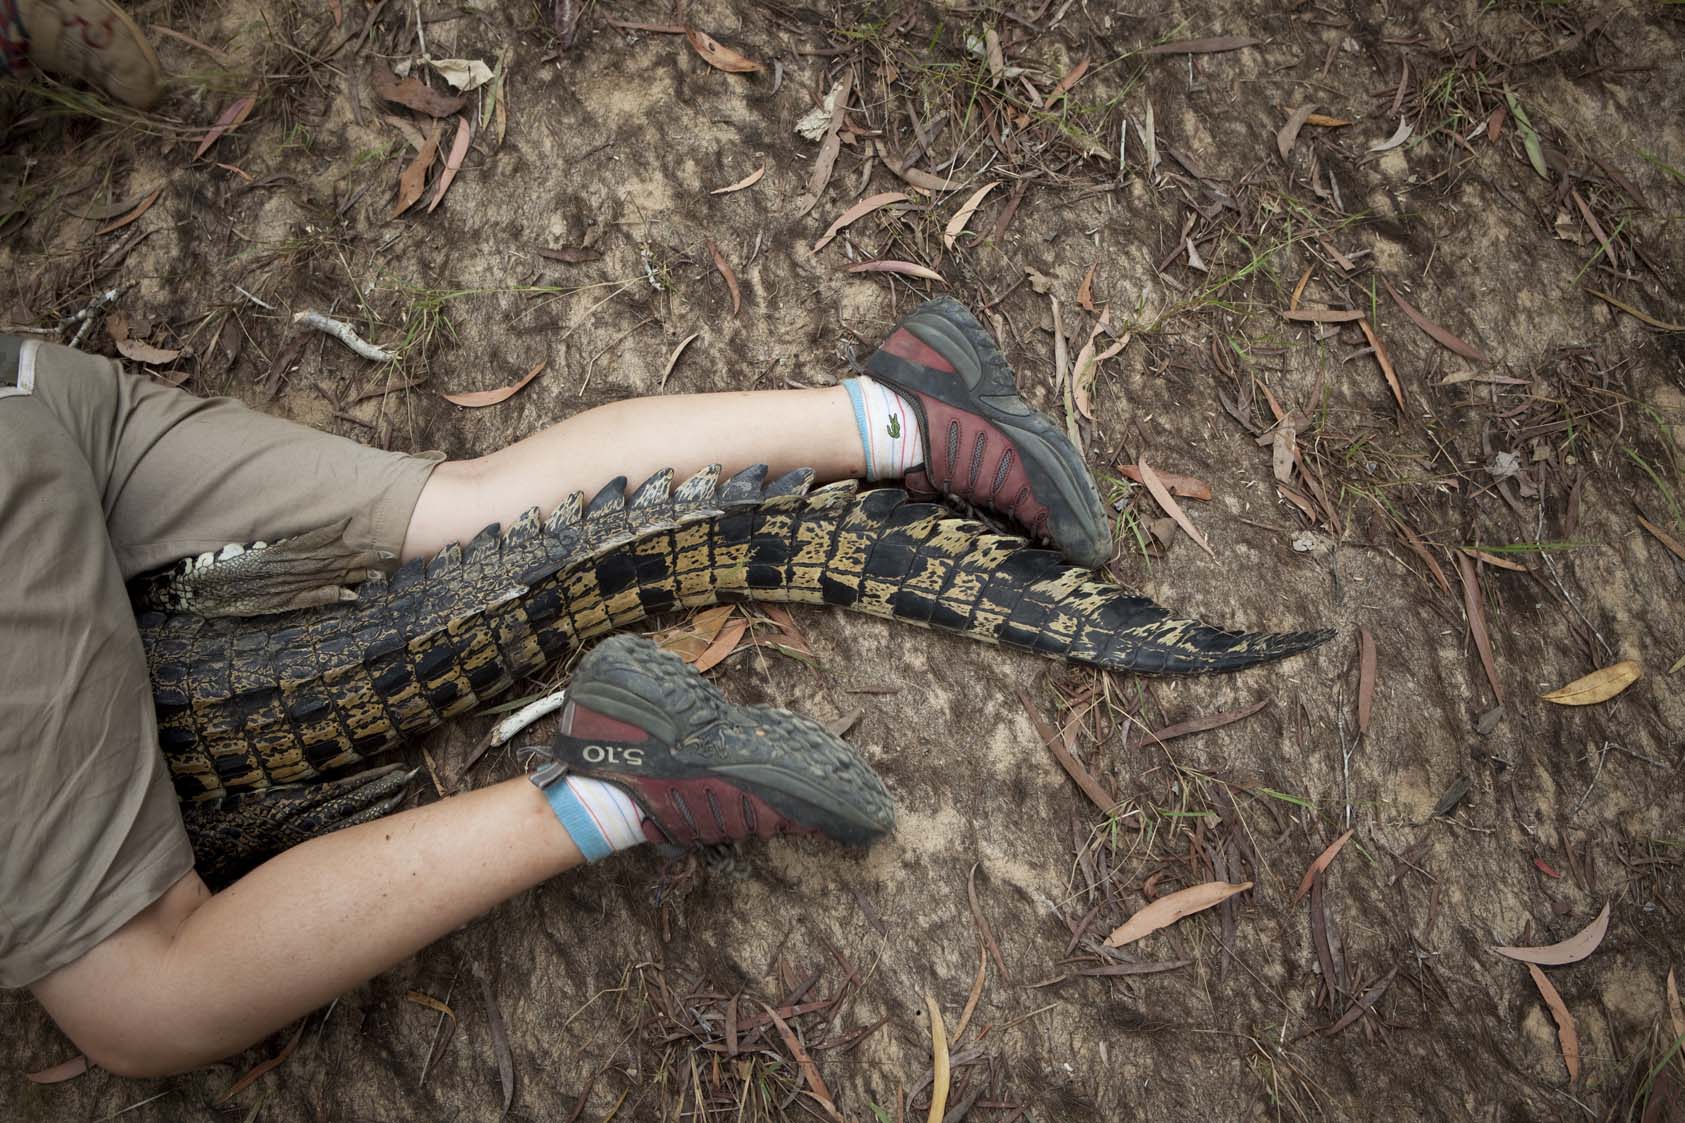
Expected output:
(232, 836)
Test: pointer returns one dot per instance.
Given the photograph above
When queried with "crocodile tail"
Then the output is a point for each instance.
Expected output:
(880, 553)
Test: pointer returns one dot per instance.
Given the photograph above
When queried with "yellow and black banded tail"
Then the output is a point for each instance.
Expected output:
(245, 703)
(880, 553)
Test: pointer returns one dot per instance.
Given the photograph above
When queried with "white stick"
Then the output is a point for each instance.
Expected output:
(525, 716)
(343, 332)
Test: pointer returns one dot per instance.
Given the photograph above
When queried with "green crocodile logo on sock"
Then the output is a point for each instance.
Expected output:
(894, 426)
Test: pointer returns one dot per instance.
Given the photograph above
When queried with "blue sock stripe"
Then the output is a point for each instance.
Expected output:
(577, 821)
(856, 396)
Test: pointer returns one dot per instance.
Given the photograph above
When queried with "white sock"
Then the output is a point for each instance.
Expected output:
(610, 820)
(889, 429)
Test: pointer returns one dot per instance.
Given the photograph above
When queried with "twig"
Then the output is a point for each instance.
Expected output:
(343, 332)
(87, 315)
(253, 299)
(525, 716)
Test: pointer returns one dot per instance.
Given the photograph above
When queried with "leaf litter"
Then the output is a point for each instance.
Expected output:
(1571, 950)
(747, 181)
(718, 55)
(1566, 1032)
(730, 277)
(1172, 907)
(1599, 686)
(858, 211)
(479, 399)
(1172, 508)
(956, 225)
(453, 162)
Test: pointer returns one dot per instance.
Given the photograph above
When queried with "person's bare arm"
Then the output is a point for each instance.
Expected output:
(196, 977)
(783, 429)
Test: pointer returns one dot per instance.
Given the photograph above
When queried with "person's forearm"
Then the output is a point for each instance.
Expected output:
(204, 976)
(783, 429)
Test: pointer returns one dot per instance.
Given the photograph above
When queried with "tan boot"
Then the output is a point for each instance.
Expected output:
(94, 41)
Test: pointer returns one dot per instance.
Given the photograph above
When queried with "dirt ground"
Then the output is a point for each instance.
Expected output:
(1526, 483)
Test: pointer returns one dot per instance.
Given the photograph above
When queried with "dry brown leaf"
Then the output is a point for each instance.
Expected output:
(1323, 315)
(905, 268)
(1071, 78)
(1565, 1031)
(453, 162)
(1673, 544)
(1493, 560)
(140, 208)
(940, 1061)
(1571, 950)
(230, 118)
(956, 225)
(1636, 313)
(718, 55)
(1188, 487)
(730, 277)
(673, 359)
(410, 132)
(414, 178)
(858, 211)
(74, 1067)
(1087, 366)
(1474, 605)
(569, 255)
(1365, 679)
(1674, 1010)
(1172, 907)
(804, 1062)
(689, 640)
(749, 180)
(996, 56)
(262, 1067)
(415, 94)
(1438, 334)
(1323, 861)
(1599, 686)
(421, 998)
(1085, 291)
(1172, 508)
(1212, 45)
(828, 149)
(478, 399)
(1385, 361)
(723, 644)
(1290, 132)
(146, 353)
(1299, 289)
(1092, 788)
(1284, 447)
(1399, 136)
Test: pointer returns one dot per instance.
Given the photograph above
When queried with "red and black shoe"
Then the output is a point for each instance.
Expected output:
(983, 443)
(702, 770)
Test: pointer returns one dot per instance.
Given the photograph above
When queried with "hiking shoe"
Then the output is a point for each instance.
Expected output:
(702, 770)
(91, 40)
(983, 443)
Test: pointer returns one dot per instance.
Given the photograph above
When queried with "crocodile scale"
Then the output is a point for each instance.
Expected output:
(246, 703)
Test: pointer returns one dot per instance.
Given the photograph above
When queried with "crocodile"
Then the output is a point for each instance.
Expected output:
(254, 711)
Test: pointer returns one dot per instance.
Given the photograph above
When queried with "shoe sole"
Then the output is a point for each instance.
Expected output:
(798, 767)
(1078, 519)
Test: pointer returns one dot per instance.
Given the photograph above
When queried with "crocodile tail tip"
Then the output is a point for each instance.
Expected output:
(1231, 651)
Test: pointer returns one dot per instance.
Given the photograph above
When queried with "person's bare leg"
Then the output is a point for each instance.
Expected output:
(636, 438)
(195, 977)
